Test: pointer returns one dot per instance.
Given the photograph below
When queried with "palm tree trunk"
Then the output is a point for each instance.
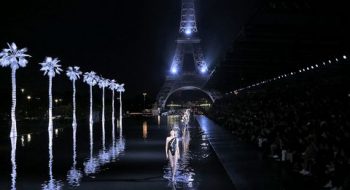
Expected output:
(50, 155)
(90, 119)
(13, 161)
(103, 118)
(13, 132)
(50, 104)
(74, 147)
(74, 106)
(120, 114)
(91, 123)
(113, 117)
(74, 127)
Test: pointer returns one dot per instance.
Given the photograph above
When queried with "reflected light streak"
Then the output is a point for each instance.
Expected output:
(91, 164)
(22, 140)
(144, 130)
(52, 184)
(74, 176)
(29, 138)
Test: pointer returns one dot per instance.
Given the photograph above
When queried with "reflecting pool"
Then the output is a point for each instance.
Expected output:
(131, 156)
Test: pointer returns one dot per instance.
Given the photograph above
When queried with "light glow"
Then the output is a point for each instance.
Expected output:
(188, 31)
(173, 70)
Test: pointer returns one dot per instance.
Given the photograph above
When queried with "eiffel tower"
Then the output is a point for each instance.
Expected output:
(187, 44)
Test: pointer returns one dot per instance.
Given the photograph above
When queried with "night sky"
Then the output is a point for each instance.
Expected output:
(131, 41)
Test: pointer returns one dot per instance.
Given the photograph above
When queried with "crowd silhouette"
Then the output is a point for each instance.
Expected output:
(303, 121)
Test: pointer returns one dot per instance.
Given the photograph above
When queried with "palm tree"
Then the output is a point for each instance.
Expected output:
(15, 58)
(91, 79)
(103, 83)
(74, 175)
(74, 74)
(50, 67)
(120, 89)
(113, 87)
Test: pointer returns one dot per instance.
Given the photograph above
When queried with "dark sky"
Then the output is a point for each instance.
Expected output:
(131, 41)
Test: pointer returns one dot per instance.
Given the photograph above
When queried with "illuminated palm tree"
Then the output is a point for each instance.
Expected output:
(91, 165)
(50, 67)
(74, 175)
(120, 89)
(74, 74)
(113, 87)
(91, 79)
(15, 58)
(103, 83)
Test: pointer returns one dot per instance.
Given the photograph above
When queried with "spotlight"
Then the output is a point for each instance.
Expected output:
(344, 57)
(173, 70)
(188, 31)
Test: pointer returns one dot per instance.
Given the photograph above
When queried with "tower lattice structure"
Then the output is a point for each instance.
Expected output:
(187, 43)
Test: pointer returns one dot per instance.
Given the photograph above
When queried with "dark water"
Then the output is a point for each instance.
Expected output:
(133, 159)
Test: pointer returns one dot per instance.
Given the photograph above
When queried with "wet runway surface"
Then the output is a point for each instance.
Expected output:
(133, 160)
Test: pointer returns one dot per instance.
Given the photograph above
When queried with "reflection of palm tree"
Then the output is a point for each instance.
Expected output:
(15, 58)
(52, 183)
(51, 68)
(74, 74)
(74, 175)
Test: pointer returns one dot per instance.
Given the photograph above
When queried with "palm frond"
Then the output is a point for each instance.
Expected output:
(51, 67)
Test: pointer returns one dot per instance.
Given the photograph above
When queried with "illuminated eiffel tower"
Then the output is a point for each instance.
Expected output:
(187, 44)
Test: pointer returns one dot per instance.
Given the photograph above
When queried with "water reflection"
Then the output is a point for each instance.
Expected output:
(74, 175)
(91, 164)
(144, 130)
(105, 156)
(13, 162)
(52, 184)
(22, 141)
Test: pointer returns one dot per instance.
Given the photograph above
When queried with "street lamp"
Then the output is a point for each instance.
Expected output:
(144, 100)
(28, 98)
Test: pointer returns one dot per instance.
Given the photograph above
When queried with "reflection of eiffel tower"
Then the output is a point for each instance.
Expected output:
(187, 43)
